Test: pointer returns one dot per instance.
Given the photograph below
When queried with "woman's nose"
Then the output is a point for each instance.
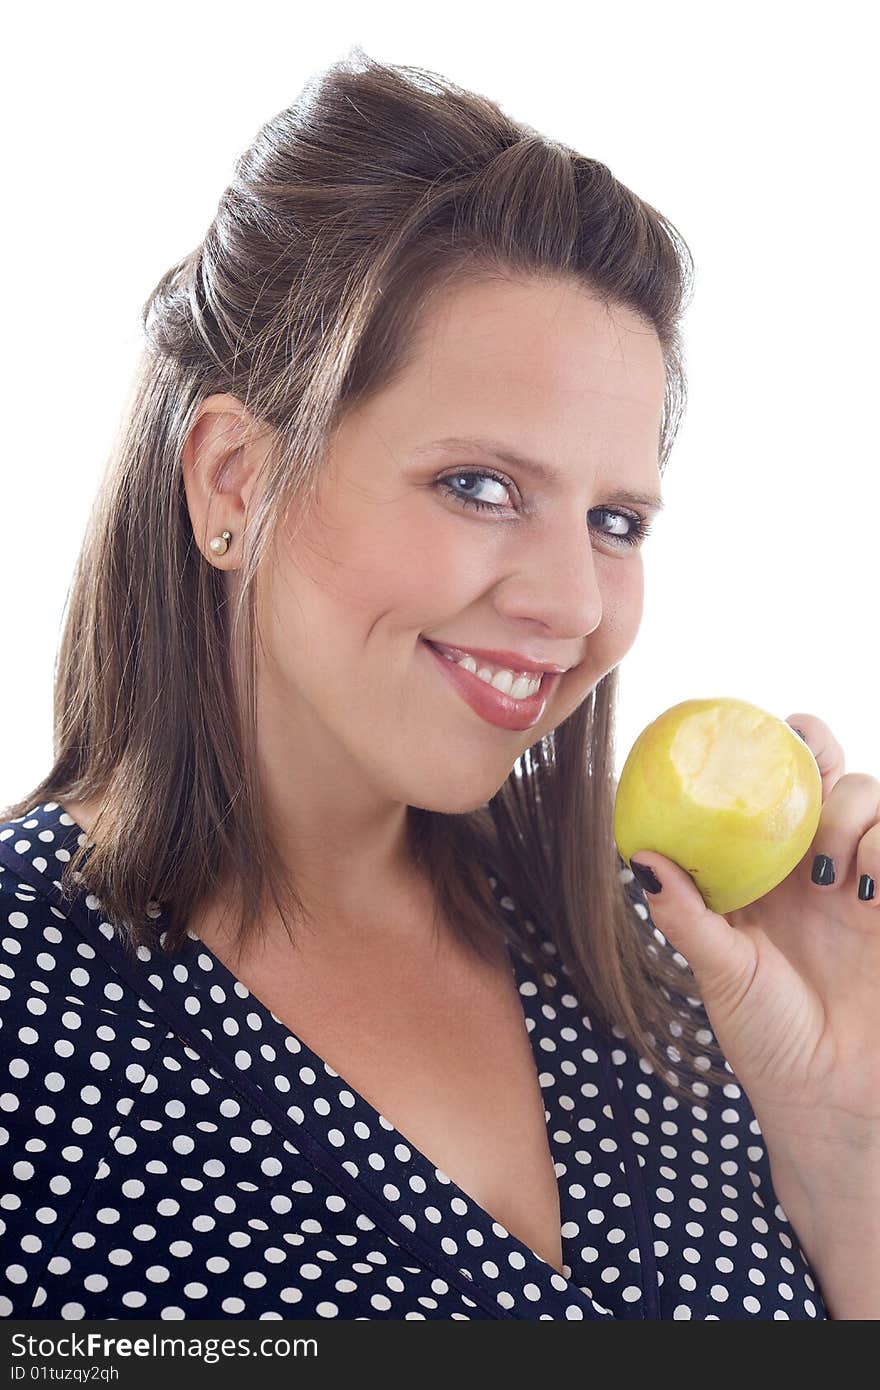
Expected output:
(557, 582)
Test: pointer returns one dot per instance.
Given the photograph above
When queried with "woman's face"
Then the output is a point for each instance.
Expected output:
(350, 693)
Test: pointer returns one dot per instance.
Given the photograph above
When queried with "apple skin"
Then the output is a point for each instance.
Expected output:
(725, 790)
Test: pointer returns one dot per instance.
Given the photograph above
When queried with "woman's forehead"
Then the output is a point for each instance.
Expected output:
(533, 345)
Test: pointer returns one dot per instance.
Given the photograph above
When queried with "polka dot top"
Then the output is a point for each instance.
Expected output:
(170, 1149)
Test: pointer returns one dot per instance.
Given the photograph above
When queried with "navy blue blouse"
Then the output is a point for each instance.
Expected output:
(170, 1149)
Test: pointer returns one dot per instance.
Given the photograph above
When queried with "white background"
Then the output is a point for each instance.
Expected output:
(750, 126)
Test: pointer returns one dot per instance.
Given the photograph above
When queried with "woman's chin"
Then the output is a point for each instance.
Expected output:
(460, 800)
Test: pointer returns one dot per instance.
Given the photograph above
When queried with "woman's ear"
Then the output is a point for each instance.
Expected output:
(221, 463)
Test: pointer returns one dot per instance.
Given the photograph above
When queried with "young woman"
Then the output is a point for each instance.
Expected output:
(327, 993)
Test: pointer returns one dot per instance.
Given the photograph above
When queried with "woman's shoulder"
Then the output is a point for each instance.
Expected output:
(29, 869)
(33, 851)
(52, 977)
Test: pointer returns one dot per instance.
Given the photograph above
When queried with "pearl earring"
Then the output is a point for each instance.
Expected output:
(220, 544)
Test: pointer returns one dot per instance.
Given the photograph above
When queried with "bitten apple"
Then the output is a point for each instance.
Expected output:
(727, 791)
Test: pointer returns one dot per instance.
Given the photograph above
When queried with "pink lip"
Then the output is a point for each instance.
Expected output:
(491, 704)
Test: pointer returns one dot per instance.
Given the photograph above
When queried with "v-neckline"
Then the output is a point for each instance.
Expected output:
(186, 963)
(310, 1058)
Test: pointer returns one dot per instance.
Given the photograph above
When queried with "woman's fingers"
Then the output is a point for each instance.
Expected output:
(848, 834)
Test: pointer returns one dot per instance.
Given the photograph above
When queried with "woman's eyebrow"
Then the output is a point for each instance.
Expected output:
(541, 471)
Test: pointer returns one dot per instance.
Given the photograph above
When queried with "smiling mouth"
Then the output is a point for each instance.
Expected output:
(493, 705)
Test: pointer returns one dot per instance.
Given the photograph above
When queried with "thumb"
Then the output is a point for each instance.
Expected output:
(722, 958)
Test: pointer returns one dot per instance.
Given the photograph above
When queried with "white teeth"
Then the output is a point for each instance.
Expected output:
(502, 680)
(517, 687)
(524, 687)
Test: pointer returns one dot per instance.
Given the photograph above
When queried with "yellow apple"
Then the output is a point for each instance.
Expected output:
(727, 791)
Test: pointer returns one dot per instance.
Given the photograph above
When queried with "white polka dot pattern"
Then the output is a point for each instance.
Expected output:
(169, 1149)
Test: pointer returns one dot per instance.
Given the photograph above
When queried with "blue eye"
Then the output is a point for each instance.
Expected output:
(640, 526)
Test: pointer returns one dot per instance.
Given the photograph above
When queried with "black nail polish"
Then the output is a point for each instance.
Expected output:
(823, 870)
(866, 888)
(645, 877)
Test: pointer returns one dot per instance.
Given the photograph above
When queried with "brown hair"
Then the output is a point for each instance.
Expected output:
(380, 186)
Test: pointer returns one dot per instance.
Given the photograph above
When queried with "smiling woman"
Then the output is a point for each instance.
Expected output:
(338, 906)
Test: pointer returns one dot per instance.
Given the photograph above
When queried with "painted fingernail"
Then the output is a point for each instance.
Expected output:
(645, 877)
(866, 888)
(823, 870)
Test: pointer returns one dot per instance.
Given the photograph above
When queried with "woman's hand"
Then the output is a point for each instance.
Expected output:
(791, 986)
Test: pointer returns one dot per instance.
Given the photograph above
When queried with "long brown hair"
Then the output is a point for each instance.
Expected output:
(376, 189)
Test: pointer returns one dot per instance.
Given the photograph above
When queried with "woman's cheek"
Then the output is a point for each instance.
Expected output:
(622, 607)
(464, 565)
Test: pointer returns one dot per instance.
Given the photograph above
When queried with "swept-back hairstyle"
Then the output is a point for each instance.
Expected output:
(378, 188)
